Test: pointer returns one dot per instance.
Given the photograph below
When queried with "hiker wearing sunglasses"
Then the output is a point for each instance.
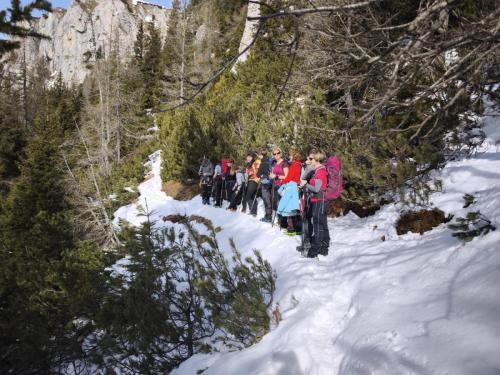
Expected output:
(278, 174)
(294, 224)
(317, 233)
(253, 164)
(266, 185)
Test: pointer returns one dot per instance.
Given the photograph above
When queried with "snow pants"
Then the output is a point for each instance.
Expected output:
(317, 227)
(238, 197)
(228, 190)
(268, 198)
(218, 191)
(251, 197)
(206, 190)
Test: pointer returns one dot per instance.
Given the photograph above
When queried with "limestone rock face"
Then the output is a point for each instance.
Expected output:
(86, 29)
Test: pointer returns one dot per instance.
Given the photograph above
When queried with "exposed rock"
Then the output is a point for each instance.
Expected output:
(87, 27)
(201, 34)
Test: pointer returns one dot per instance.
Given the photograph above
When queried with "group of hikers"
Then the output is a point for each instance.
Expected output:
(296, 194)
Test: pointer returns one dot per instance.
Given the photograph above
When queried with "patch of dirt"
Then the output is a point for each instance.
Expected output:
(341, 207)
(180, 191)
(420, 221)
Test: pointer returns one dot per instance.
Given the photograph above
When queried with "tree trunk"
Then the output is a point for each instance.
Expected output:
(253, 10)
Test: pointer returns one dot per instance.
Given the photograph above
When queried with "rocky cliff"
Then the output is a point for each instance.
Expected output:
(88, 28)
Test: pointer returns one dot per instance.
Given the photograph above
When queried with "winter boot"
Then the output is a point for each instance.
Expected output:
(304, 248)
(323, 249)
(313, 252)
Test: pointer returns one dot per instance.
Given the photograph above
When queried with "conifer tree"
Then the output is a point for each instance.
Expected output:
(177, 292)
(173, 53)
(152, 67)
(35, 232)
(139, 43)
(11, 22)
(12, 136)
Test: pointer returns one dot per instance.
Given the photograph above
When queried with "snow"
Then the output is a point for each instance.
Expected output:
(379, 303)
(451, 57)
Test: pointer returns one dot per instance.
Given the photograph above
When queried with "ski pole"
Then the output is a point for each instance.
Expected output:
(304, 220)
(244, 197)
(223, 191)
(219, 184)
(275, 211)
(302, 217)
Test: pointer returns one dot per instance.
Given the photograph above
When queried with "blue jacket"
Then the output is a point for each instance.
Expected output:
(289, 202)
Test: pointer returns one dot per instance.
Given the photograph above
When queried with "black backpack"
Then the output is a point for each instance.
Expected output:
(265, 168)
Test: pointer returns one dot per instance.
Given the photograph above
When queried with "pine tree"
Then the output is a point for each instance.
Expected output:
(11, 22)
(152, 67)
(173, 53)
(12, 134)
(177, 292)
(139, 43)
(35, 231)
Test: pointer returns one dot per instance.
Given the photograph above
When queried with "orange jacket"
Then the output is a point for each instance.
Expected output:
(252, 171)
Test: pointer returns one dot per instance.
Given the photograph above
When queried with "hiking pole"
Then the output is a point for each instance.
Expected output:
(272, 205)
(302, 217)
(244, 197)
(304, 224)
(221, 191)
(202, 188)
(275, 211)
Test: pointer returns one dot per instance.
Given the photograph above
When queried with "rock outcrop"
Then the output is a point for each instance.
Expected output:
(86, 29)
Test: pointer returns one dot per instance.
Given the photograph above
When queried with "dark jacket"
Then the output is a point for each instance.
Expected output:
(264, 170)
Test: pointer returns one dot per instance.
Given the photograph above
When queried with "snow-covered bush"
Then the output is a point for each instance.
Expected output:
(178, 296)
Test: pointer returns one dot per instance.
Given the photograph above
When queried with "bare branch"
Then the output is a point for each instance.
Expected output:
(324, 9)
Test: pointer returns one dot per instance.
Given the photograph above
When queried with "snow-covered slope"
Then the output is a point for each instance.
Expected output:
(408, 305)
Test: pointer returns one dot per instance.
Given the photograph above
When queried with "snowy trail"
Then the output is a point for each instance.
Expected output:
(408, 305)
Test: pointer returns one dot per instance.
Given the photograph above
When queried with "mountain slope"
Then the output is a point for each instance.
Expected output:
(408, 305)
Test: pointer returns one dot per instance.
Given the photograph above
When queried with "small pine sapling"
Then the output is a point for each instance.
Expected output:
(469, 200)
(474, 224)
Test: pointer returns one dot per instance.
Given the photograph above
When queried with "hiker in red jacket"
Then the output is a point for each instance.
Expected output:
(317, 224)
(279, 173)
(294, 224)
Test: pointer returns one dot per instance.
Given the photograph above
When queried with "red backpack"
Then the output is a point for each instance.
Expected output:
(334, 178)
(224, 166)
